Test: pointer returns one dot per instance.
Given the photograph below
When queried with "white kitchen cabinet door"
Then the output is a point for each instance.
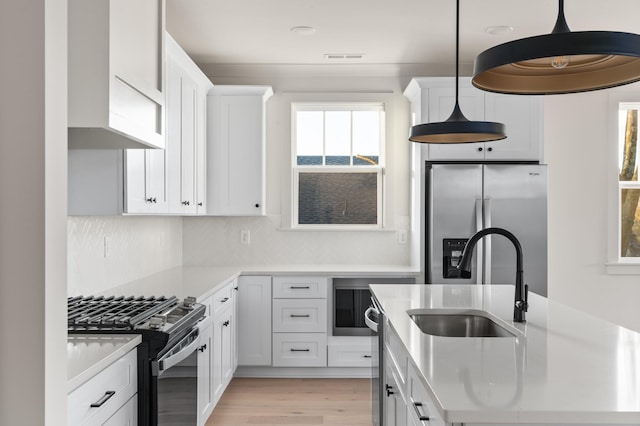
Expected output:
(116, 56)
(254, 320)
(223, 324)
(180, 139)
(145, 181)
(186, 90)
(433, 98)
(236, 150)
(522, 117)
(395, 408)
(441, 103)
(206, 400)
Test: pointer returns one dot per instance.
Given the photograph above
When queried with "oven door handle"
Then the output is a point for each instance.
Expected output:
(371, 323)
(171, 359)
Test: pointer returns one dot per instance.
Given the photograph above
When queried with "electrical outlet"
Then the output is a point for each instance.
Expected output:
(402, 236)
(245, 237)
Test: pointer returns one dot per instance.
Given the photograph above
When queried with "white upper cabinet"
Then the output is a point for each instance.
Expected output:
(236, 150)
(433, 98)
(187, 89)
(116, 73)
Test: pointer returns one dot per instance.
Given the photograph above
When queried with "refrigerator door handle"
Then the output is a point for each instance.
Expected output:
(479, 247)
(487, 241)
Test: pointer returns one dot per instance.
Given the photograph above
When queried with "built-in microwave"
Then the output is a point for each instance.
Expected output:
(351, 298)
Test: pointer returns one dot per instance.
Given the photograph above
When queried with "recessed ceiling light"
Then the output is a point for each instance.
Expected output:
(498, 29)
(344, 55)
(303, 30)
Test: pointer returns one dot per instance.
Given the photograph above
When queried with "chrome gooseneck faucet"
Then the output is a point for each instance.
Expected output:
(522, 290)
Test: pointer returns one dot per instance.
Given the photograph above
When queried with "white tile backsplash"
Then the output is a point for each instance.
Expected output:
(216, 241)
(138, 247)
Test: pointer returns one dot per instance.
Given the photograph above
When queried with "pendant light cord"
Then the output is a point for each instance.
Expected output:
(561, 23)
(458, 48)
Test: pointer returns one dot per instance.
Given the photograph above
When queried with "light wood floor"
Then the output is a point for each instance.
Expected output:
(291, 402)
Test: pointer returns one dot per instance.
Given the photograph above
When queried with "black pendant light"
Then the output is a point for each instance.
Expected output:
(457, 128)
(560, 62)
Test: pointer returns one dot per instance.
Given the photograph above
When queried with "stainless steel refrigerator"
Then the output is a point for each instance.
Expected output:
(463, 198)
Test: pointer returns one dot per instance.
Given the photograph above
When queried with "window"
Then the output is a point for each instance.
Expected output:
(628, 183)
(337, 165)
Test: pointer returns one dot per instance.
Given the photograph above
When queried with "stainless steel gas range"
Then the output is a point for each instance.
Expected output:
(170, 342)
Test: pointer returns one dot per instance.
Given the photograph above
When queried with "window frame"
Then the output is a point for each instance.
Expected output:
(379, 169)
(616, 264)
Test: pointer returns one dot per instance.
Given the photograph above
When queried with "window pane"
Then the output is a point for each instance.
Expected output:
(366, 137)
(629, 223)
(338, 198)
(628, 154)
(337, 137)
(309, 137)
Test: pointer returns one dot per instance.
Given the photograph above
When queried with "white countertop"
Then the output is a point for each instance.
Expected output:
(202, 281)
(565, 367)
(89, 354)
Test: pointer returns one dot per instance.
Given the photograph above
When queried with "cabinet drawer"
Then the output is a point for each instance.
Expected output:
(127, 415)
(350, 356)
(299, 350)
(110, 389)
(300, 287)
(420, 405)
(300, 315)
(222, 298)
(397, 355)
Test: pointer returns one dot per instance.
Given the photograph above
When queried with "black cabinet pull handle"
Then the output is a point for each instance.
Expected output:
(480, 149)
(203, 348)
(489, 149)
(200, 204)
(224, 300)
(225, 324)
(421, 417)
(299, 287)
(299, 316)
(107, 396)
(389, 390)
(366, 356)
(257, 205)
(236, 288)
(299, 350)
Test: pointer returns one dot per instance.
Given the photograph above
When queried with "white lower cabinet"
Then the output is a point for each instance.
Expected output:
(223, 347)
(218, 353)
(299, 349)
(254, 321)
(420, 408)
(299, 321)
(357, 353)
(394, 399)
(206, 401)
(109, 398)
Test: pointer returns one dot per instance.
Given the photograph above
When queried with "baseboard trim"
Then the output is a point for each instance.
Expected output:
(303, 372)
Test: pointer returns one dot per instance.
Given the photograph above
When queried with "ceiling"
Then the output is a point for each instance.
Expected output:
(386, 32)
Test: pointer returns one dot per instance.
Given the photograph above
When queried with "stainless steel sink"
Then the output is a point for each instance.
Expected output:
(463, 323)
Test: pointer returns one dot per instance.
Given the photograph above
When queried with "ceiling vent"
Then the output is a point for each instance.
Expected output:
(344, 55)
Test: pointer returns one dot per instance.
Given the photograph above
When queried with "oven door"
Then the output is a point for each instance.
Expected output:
(178, 383)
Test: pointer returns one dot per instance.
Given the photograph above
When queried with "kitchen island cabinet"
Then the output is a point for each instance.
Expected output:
(562, 366)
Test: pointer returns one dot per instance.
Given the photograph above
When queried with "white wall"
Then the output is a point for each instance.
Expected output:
(33, 151)
(577, 144)
(138, 246)
(217, 240)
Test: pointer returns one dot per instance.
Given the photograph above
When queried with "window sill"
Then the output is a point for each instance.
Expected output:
(623, 268)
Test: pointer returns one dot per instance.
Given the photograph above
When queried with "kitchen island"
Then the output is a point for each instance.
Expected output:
(562, 366)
